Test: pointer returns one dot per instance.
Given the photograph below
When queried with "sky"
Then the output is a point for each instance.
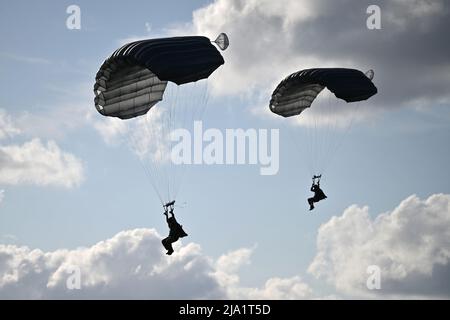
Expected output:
(74, 195)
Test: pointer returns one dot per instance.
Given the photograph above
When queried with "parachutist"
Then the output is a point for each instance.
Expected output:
(297, 94)
(318, 193)
(176, 230)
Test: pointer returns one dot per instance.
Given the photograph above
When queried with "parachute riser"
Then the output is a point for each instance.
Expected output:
(169, 206)
(316, 179)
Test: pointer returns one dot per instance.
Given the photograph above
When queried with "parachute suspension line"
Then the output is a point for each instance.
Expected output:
(195, 108)
(188, 109)
(152, 157)
(313, 140)
(315, 144)
(300, 149)
(163, 144)
(157, 133)
(156, 160)
(173, 109)
(309, 148)
(304, 149)
(172, 118)
(330, 126)
(354, 106)
(177, 110)
(133, 148)
(154, 136)
(321, 131)
(166, 139)
(184, 124)
(150, 136)
(199, 106)
(324, 132)
(182, 109)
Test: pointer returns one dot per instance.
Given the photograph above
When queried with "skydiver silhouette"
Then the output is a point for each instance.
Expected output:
(318, 193)
(176, 230)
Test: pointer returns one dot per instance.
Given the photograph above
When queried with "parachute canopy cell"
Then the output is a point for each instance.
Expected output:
(298, 91)
(134, 77)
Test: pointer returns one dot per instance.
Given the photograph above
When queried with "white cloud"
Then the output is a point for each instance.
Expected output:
(132, 264)
(52, 123)
(228, 265)
(112, 130)
(233, 261)
(410, 244)
(2, 195)
(129, 265)
(8, 128)
(39, 164)
(277, 288)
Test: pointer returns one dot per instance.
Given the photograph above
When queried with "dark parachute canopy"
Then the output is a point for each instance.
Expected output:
(133, 79)
(298, 91)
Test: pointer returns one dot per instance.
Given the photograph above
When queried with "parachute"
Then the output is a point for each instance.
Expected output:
(169, 73)
(134, 78)
(298, 91)
(302, 90)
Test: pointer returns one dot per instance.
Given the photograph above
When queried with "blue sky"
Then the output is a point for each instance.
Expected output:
(399, 149)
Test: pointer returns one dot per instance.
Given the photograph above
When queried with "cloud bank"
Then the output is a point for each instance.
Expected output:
(132, 265)
(410, 245)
